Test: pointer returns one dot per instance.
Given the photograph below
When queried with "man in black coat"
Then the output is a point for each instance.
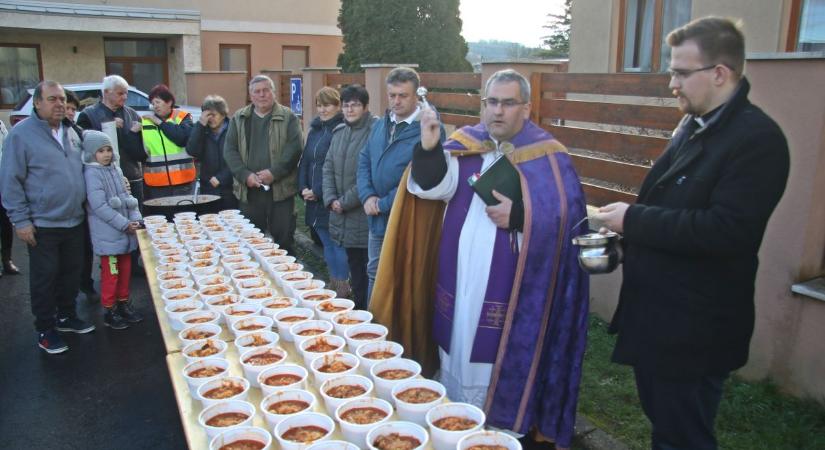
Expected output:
(686, 314)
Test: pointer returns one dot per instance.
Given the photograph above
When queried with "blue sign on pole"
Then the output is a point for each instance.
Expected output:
(296, 98)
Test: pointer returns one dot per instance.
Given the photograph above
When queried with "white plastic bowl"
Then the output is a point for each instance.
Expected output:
(229, 406)
(445, 439)
(251, 371)
(357, 433)
(195, 382)
(332, 403)
(242, 434)
(218, 382)
(198, 317)
(174, 311)
(357, 314)
(240, 311)
(315, 326)
(310, 298)
(417, 412)
(177, 295)
(346, 358)
(275, 305)
(326, 310)
(282, 369)
(211, 331)
(383, 386)
(247, 341)
(289, 313)
(273, 418)
(216, 303)
(402, 428)
(378, 346)
(302, 420)
(333, 445)
(336, 342)
(250, 324)
(488, 438)
(352, 334)
(190, 358)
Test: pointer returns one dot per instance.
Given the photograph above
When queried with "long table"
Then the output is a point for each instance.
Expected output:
(188, 407)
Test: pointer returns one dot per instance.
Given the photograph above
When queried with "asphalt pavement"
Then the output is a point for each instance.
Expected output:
(111, 390)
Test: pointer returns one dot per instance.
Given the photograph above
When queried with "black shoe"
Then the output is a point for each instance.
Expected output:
(9, 268)
(51, 342)
(74, 325)
(114, 320)
(91, 295)
(129, 315)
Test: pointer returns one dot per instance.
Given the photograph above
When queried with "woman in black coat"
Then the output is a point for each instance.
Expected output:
(206, 144)
(310, 184)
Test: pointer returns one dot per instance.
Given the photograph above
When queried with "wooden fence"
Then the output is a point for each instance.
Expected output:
(455, 95)
(612, 143)
(611, 163)
(342, 80)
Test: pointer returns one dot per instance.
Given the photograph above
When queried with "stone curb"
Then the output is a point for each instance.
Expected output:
(587, 435)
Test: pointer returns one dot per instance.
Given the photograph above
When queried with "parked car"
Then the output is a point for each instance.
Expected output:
(89, 94)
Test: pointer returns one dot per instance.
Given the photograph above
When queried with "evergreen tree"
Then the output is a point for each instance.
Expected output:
(558, 42)
(423, 32)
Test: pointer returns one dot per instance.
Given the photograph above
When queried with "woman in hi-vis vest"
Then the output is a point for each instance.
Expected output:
(168, 170)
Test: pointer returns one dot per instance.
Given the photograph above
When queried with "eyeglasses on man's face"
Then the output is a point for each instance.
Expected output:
(681, 74)
(505, 103)
(352, 105)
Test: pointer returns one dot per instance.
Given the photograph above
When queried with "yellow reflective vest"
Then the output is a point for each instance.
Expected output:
(168, 164)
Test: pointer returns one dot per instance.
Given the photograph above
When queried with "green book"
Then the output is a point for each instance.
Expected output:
(501, 176)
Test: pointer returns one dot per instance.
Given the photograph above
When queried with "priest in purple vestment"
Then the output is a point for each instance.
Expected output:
(510, 302)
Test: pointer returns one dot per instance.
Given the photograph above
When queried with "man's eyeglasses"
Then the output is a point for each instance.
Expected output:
(681, 74)
(505, 103)
(352, 105)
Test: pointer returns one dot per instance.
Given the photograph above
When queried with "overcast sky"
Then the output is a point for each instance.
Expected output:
(509, 20)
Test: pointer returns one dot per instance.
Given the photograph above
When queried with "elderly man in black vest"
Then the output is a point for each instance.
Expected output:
(112, 108)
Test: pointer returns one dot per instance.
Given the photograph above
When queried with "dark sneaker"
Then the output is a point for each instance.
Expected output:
(74, 325)
(51, 342)
(114, 320)
(130, 315)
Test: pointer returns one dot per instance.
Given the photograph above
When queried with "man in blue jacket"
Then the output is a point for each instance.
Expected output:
(43, 192)
(383, 159)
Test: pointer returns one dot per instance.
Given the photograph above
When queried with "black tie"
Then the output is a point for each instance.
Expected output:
(397, 128)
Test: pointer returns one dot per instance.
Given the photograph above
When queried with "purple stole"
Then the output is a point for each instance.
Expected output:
(499, 283)
(538, 346)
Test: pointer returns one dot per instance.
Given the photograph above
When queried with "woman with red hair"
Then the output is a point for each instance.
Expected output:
(169, 170)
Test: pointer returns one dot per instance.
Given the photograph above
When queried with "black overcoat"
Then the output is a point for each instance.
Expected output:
(691, 242)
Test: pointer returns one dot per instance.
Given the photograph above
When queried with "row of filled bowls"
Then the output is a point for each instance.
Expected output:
(217, 411)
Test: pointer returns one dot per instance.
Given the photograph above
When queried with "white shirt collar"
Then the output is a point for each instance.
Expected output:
(409, 119)
(58, 133)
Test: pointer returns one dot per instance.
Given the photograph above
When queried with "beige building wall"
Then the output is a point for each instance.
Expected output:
(788, 341)
(248, 13)
(595, 28)
(267, 48)
(762, 20)
(57, 55)
(592, 34)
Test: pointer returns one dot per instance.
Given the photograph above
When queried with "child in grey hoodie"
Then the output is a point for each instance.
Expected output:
(113, 221)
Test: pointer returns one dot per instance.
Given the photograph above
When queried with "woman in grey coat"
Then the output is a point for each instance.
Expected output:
(347, 220)
(113, 219)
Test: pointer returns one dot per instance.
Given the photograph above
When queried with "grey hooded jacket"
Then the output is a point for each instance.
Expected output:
(110, 207)
(40, 178)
